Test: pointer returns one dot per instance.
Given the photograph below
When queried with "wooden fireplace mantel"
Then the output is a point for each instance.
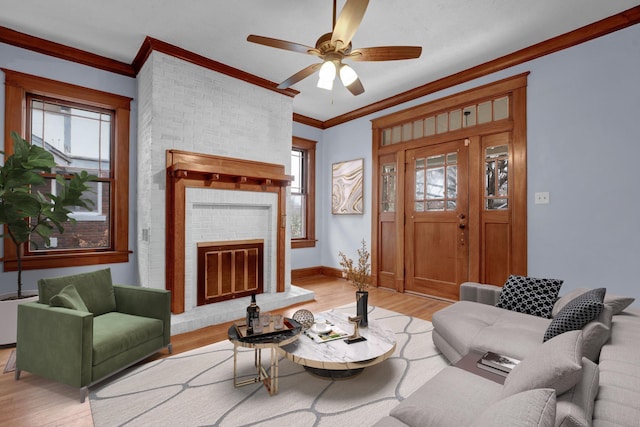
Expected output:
(186, 169)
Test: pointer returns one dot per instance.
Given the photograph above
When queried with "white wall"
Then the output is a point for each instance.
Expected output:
(29, 62)
(583, 148)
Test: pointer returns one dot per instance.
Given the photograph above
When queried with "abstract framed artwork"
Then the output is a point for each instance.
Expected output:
(347, 195)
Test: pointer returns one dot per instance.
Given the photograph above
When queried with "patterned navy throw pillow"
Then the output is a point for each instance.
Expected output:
(577, 313)
(529, 295)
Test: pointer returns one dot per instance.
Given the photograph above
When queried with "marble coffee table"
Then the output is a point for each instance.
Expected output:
(337, 359)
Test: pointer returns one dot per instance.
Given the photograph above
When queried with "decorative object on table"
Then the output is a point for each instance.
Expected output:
(304, 317)
(359, 276)
(31, 215)
(321, 332)
(497, 363)
(278, 321)
(346, 187)
(270, 330)
(356, 331)
(265, 319)
(253, 313)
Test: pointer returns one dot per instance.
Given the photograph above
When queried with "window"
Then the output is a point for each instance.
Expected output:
(496, 178)
(303, 153)
(83, 129)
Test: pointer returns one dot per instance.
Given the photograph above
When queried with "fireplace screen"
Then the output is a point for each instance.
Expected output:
(230, 269)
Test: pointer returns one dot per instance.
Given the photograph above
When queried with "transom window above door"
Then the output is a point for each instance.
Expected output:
(470, 116)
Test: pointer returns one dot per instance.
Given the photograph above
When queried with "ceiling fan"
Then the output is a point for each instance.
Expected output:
(334, 47)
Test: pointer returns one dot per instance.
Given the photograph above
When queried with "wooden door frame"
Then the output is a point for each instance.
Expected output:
(516, 88)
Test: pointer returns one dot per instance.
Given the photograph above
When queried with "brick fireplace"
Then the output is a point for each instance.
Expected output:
(184, 106)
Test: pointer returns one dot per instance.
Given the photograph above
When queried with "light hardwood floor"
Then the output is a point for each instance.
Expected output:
(35, 401)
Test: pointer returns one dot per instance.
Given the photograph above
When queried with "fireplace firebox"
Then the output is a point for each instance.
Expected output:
(229, 269)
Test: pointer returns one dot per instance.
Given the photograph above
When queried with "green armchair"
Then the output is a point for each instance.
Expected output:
(84, 328)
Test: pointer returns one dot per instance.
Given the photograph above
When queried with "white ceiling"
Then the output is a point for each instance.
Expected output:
(455, 35)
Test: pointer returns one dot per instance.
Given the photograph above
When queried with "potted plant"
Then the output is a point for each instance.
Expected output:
(25, 212)
(359, 276)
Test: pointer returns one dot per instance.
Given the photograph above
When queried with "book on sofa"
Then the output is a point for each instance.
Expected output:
(497, 363)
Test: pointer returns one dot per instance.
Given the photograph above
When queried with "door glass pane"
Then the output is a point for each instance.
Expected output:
(430, 126)
(455, 119)
(497, 178)
(388, 197)
(435, 205)
(443, 121)
(420, 184)
(435, 161)
(469, 114)
(452, 182)
(501, 108)
(484, 112)
(435, 183)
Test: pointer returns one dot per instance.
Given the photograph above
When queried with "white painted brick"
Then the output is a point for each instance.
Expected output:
(187, 107)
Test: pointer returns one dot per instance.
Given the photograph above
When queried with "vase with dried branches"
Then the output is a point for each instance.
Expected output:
(360, 277)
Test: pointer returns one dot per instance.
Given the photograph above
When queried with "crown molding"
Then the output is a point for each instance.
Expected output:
(150, 44)
(61, 51)
(306, 120)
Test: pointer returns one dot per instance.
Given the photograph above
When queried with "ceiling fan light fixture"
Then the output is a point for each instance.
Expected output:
(327, 75)
(325, 84)
(347, 75)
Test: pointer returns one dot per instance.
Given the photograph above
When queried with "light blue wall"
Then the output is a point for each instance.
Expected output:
(29, 62)
(310, 257)
(583, 148)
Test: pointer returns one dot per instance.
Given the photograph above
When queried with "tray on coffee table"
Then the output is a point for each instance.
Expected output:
(241, 328)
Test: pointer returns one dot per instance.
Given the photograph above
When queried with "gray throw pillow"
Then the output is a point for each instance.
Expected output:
(532, 408)
(529, 295)
(617, 303)
(555, 364)
(577, 313)
(575, 407)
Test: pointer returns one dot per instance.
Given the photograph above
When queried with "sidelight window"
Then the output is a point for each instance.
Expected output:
(497, 178)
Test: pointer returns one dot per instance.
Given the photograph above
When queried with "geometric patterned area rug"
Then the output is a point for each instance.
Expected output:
(195, 388)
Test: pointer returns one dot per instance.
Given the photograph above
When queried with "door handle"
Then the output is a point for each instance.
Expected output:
(461, 226)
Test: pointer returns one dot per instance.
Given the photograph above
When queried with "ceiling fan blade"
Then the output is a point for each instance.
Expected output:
(282, 44)
(385, 53)
(356, 87)
(348, 21)
(300, 75)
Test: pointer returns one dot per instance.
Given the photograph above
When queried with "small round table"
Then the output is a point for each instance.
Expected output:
(272, 341)
(337, 359)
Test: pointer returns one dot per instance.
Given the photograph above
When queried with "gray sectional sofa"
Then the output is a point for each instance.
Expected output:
(589, 376)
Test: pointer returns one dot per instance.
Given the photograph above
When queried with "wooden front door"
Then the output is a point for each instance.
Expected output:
(437, 211)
